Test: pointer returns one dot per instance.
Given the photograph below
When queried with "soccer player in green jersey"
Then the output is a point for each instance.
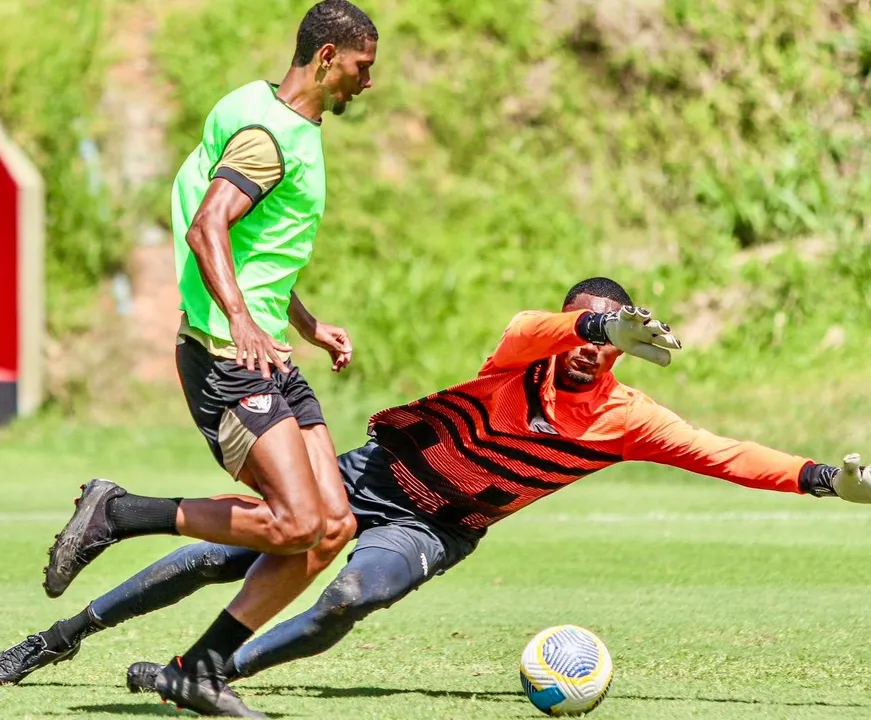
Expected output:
(246, 206)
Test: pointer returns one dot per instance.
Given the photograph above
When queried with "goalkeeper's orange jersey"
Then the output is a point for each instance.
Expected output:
(476, 452)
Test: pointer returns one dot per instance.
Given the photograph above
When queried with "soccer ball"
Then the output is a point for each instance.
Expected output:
(566, 670)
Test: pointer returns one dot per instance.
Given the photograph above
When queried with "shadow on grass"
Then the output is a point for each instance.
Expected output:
(118, 709)
(507, 696)
(150, 710)
(325, 692)
(146, 708)
(37, 685)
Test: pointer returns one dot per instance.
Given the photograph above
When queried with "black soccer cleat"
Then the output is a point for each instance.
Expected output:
(30, 655)
(204, 694)
(142, 677)
(86, 535)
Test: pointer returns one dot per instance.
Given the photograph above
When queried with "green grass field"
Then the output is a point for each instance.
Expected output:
(715, 601)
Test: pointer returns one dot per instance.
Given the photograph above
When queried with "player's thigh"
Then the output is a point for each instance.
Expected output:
(278, 466)
(306, 408)
(232, 407)
(325, 465)
(302, 404)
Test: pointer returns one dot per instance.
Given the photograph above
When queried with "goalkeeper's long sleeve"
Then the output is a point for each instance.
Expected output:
(655, 434)
(532, 336)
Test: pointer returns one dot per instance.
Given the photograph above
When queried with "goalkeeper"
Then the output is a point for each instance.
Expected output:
(544, 411)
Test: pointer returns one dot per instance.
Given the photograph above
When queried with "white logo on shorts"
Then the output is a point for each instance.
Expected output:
(424, 563)
(260, 404)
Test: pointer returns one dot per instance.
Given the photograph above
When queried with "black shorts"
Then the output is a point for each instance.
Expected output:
(233, 407)
(387, 519)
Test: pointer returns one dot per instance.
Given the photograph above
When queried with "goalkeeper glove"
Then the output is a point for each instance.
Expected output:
(631, 330)
(853, 482)
(850, 482)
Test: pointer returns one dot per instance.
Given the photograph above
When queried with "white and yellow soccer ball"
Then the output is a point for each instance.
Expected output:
(566, 670)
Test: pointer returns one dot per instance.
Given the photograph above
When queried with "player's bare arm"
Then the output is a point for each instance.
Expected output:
(209, 239)
(335, 340)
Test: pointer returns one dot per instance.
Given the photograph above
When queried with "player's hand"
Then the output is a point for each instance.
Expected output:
(635, 332)
(255, 348)
(335, 340)
(853, 482)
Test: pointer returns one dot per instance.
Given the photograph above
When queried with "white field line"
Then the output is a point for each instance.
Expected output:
(679, 518)
(594, 518)
(25, 517)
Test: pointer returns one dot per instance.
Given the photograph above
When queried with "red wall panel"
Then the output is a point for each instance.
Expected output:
(8, 276)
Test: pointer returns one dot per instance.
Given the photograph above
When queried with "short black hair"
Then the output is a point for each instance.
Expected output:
(599, 287)
(332, 21)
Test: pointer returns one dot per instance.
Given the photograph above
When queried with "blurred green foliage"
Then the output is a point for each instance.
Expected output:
(509, 149)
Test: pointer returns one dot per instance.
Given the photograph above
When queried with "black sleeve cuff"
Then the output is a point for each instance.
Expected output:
(817, 480)
(591, 327)
(246, 185)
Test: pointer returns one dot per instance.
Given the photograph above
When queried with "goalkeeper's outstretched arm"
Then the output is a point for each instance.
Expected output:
(655, 434)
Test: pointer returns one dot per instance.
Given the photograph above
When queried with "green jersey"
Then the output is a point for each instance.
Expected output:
(275, 239)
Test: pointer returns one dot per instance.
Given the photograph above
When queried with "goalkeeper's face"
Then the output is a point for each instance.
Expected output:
(578, 368)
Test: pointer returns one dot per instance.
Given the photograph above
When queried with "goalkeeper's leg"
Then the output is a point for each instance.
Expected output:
(373, 579)
(388, 562)
(163, 583)
(170, 580)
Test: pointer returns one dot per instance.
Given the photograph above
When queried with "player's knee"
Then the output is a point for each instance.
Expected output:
(221, 563)
(343, 596)
(349, 598)
(338, 532)
(347, 528)
(288, 537)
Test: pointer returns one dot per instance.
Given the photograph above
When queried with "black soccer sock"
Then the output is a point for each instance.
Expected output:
(230, 671)
(64, 634)
(134, 515)
(210, 653)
